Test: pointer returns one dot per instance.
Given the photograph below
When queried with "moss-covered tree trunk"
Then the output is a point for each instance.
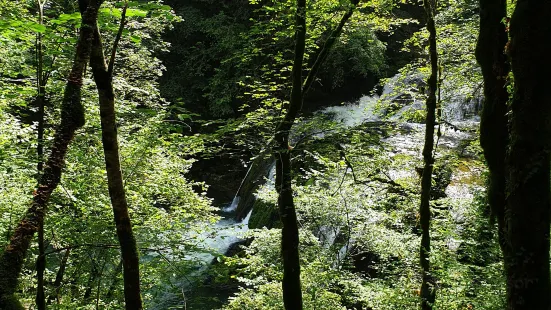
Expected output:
(428, 288)
(292, 291)
(41, 101)
(528, 168)
(72, 118)
(490, 54)
(103, 77)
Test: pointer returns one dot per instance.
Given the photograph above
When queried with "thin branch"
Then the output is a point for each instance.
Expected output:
(373, 177)
(327, 47)
(348, 164)
(117, 39)
(102, 246)
(342, 182)
(349, 228)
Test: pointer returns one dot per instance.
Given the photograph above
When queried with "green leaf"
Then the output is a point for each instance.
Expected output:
(66, 18)
(135, 39)
(111, 12)
(37, 27)
(136, 13)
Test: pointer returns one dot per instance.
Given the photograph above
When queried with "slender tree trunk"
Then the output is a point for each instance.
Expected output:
(490, 54)
(59, 277)
(528, 186)
(315, 68)
(72, 118)
(327, 47)
(40, 268)
(41, 100)
(41, 89)
(428, 288)
(292, 291)
(98, 290)
(103, 76)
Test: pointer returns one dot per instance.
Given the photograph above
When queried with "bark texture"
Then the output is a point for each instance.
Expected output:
(41, 100)
(292, 292)
(72, 118)
(40, 268)
(428, 288)
(490, 54)
(103, 78)
(528, 168)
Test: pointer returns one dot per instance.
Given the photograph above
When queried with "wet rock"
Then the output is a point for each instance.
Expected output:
(237, 248)
(264, 214)
(255, 177)
(442, 176)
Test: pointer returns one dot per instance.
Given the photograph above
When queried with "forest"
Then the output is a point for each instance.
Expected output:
(275, 154)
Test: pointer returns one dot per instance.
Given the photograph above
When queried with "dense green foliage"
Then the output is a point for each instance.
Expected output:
(372, 212)
(165, 210)
(225, 55)
(200, 86)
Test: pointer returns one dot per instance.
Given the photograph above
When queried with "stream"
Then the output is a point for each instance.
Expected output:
(461, 122)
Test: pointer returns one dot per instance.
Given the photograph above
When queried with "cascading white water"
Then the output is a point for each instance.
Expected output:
(228, 231)
(270, 182)
(233, 205)
(354, 114)
(457, 105)
(459, 121)
(404, 93)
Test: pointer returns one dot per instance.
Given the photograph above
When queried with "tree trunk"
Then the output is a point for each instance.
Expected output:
(528, 167)
(41, 90)
(324, 52)
(103, 78)
(59, 276)
(41, 100)
(428, 288)
(40, 268)
(490, 54)
(292, 292)
(72, 118)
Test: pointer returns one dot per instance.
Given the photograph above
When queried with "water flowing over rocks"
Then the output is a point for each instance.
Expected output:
(391, 116)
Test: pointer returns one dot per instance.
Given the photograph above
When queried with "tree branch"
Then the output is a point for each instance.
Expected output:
(117, 40)
(327, 47)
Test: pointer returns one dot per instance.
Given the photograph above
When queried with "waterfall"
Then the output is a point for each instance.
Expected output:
(402, 96)
(354, 114)
(233, 206)
(236, 215)
(256, 176)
